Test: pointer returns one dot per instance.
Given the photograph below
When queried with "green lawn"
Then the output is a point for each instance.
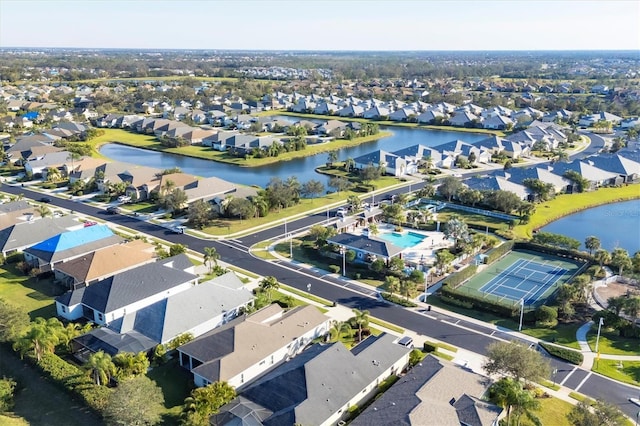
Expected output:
(629, 373)
(142, 207)
(552, 411)
(36, 296)
(8, 420)
(473, 218)
(566, 204)
(176, 384)
(611, 343)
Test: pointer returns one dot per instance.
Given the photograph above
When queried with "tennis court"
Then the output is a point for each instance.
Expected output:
(524, 280)
(521, 275)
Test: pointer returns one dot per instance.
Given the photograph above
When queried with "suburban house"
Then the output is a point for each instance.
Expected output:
(333, 128)
(626, 168)
(520, 174)
(591, 119)
(391, 163)
(40, 165)
(498, 145)
(466, 150)
(463, 119)
(497, 122)
(596, 176)
(497, 183)
(112, 298)
(103, 263)
(21, 235)
(319, 386)
(435, 389)
(69, 245)
(247, 346)
(376, 112)
(26, 149)
(420, 153)
(15, 212)
(195, 310)
(366, 248)
(430, 116)
(351, 111)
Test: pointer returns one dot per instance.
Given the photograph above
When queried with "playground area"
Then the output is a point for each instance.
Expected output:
(521, 277)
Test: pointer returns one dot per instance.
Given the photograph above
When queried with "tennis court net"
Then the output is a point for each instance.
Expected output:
(527, 277)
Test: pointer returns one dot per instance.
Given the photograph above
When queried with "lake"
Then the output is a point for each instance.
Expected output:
(616, 225)
(302, 168)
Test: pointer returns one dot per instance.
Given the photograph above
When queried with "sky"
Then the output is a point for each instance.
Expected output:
(323, 25)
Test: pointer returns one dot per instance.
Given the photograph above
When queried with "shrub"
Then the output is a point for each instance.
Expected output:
(546, 314)
(499, 251)
(479, 303)
(15, 258)
(455, 302)
(398, 300)
(566, 354)
(75, 380)
(454, 280)
(334, 269)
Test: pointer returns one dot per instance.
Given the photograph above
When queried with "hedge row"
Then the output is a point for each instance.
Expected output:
(499, 251)
(455, 302)
(454, 280)
(566, 354)
(555, 251)
(74, 380)
(480, 303)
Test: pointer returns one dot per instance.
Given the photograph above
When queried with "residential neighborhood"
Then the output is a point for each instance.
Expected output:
(230, 237)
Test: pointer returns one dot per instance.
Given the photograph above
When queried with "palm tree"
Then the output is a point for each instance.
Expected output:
(332, 157)
(349, 164)
(632, 308)
(592, 243)
(129, 364)
(101, 367)
(53, 174)
(373, 229)
(504, 394)
(392, 284)
(337, 329)
(168, 186)
(267, 284)
(602, 256)
(526, 403)
(206, 401)
(43, 210)
(41, 337)
(211, 257)
(361, 319)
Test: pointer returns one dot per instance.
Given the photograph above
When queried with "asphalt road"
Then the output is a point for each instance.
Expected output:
(463, 334)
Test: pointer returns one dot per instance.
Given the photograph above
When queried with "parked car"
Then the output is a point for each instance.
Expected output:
(124, 199)
(406, 341)
(113, 210)
(178, 229)
(44, 199)
(342, 212)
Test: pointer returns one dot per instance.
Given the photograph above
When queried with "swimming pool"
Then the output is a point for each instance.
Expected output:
(408, 240)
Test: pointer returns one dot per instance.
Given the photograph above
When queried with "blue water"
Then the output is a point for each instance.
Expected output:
(616, 225)
(302, 168)
(407, 240)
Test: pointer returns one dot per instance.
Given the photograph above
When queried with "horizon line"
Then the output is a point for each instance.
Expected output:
(318, 50)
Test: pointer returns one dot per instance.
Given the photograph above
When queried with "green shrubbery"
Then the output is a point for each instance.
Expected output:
(454, 280)
(479, 303)
(398, 300)
(498, 252)
(566, 354)
(429, 347)
(74, 380)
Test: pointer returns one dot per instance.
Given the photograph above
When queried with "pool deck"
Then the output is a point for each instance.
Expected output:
(425, 251)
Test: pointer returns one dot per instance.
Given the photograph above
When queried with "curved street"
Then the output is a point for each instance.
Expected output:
(455, 331)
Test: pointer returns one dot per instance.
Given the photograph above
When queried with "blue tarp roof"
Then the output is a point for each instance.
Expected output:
(30, 115)
(71, 239)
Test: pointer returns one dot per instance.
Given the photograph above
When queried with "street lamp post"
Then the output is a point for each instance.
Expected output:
(521, 313)
(637, 418)
(598, 337)
(555, 371)
(285, 227)
(291, 246)
(343, 251)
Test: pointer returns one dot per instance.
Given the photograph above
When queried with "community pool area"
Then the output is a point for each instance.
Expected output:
(403, 239)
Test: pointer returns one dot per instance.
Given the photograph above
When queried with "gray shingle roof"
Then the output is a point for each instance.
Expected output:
(181, 312)
(104, 339)
(130, 286)
(424, 396)
(311, 387)
(32, 232)
(366, 244)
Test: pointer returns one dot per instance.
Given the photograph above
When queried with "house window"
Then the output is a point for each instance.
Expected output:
(100, 317)
(64, 309)
(242, 378)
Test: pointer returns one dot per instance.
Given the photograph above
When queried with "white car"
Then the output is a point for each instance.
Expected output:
(342, 212)
(124, 199)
